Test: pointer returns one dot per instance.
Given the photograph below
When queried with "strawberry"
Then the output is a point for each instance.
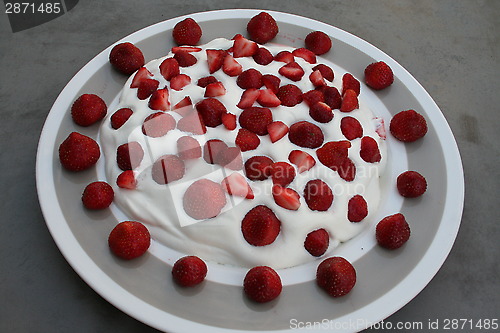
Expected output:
(215, 59)
(302, 160)
(184, 48)
(325, 71)
(142, 74)
(357, 209)
(277, 130)
(159, 100)
(78, 152)
(256, 119)
(185, 59)
(88, 109)
(189, 271)
(126, 180)
(179, 81)
(204, 199)
(378, 75)
(350, 82)
(258, 167)
(284, 56)
(251, 78)
(247, 140)
(231, 67)
(411, 184)
(336, 276)
(305, 54)
(312, 97)
(392, 231)
(215, 89)
(243, 47)
(333, 153)
(167, 169)
(380, 127)
(212, 149)
(282, 173)
(349, 101)
(351, 128)
(120, 117)
(317, 242)
(408, 126)
(292, 71)
(126, 58)
(187, 32)
(248, 97)
(169, 68)
(98, 195)
(318, 42)
(289, 95)
(262, 284)
(331, 97)
(184, 106)
(260, 226)
(230, 158)
(318, 195)
(321, 112)
(129, 155)
(262, 28)
(192, 123)
(286, 197)
(369, 150)
(129, 240)
(146, 88)
(347, 170)
(271, 82)
(205, 81)
(305, 134)
(211, 110)
(268, 98)
(158, 124)
(263, 56)
(188, 148)
(235, 184)
(317, 79)
(229, 121)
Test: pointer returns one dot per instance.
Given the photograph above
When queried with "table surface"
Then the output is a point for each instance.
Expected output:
(451, 47)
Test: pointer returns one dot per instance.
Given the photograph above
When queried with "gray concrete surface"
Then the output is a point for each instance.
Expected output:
(451, 47)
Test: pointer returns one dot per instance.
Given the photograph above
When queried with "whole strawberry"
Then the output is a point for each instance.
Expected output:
(262, 28)
(408, 126)
(262, 284)
(187, 32)
(318, 42)
(129, 240)
(392, 231)
(204, 199)
(78, 152)
(411, 184)
(336, 276)
(378, 75)
(189, 271)
(98, 195)
(126, 58)
(88, 109)
(317, 242)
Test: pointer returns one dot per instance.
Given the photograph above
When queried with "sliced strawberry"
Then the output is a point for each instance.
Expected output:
(129, 155)
(229, 121)
(292, 71)
(243, 47)
(190, 49)
(349, 101)
(215, 89)
(126, 58)
(262, 28)
(184, 106)
(204, 199)
(347, 170)
(212, 150)
(120, 117)
(256, 119)
(282, 173)
(126, 180)
(192, 123)
(318, 42)
(332, 97)
(97, 195)
(351, 128)
(146, 88)
(260, 226)
(158, 124)
(205, 81)
(248, 97)
(271, 82)
(262, 284)
(284, 56)
(313, 96)
(230, 158)
(305, 54)
(321, 112)
(277, 130)
(185, 59)
(289, 95)
(159, 100)
(215, 59)
(263, 56)
(211, 110)
(258, 167)
(317, 79)
(286, 197)
(167, 169)
(247, 140)
(302, 160)
(333, 153)
(169, 68)
(187, 32)
(141, 75)
(231, 67)
(350, 82)
(317, 242)
(180, 81)
(189, 271)
(188, 148)
(380, 127)
(305, 134)
(236, 184)
(357, 209)
(251, 78)
(268, 98)
(326, 71)
(369, 150)
(318, 195)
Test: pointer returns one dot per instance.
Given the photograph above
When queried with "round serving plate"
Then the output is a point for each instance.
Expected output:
(142, 288)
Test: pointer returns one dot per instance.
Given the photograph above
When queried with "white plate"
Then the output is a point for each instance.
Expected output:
(387, 280)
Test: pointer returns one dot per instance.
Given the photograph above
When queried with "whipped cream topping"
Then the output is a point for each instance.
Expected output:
(220, 239)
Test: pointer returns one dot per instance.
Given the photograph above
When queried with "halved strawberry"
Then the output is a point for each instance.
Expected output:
(248, 97)
(317, 79)
(158, 124)
(271, 82)
(212, 150)
(185, 59)
(146, 88)
(302, 160)
(292, 71)
(183, 48)
(277, 130)
(247, 140)
(369, 150)
(215, 89)
(141, 75)
(236, 184)
(159, 100)
(120, 117)
(260, 226)
(192, 123)
(188, 148)
(380, 127)
(286, 197)
(243, 47)
(129, 155)
(258, 167)
(321, 112)
(205, 81)
(305, 54)
(215, 59)
(282, 173)
(351, 128)
(211, 110)
(263, 56)
(326, 71)
(313, 96)
(349, 101)
(230, 158)
(229, 121)
(350, 82)
(230, 66)
(333, 155)
(284, 56)
(167, 169)
(184, 106)
(169, 68)
(268, 98)
(126, 180)
(332, 97)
